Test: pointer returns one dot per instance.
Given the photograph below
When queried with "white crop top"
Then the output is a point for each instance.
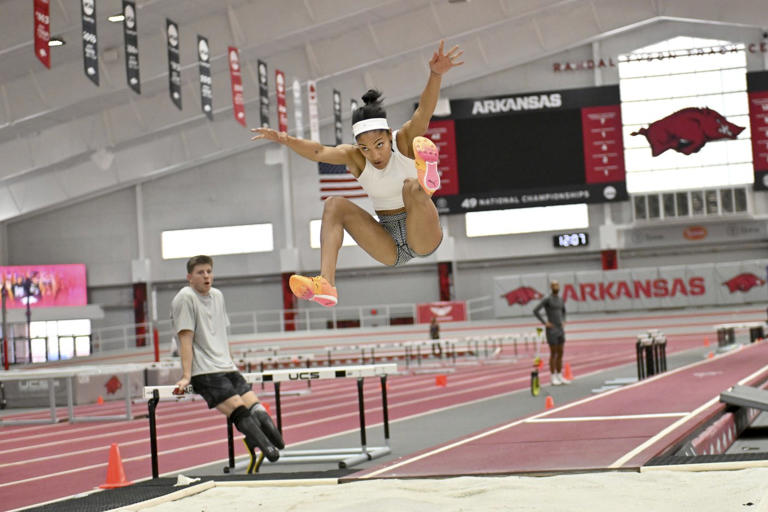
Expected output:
(385, 186)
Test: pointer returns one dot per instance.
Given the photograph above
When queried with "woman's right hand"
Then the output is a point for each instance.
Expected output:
(269, 134)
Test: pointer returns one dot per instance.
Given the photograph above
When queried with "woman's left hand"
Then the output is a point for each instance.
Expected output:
(442, 62)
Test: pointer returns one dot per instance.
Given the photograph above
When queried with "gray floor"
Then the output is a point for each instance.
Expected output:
(412, 435)
(754, 439)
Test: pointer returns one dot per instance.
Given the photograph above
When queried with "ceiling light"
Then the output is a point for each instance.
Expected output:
(56, 41)
(116, 18)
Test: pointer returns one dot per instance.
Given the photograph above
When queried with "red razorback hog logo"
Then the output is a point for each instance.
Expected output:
(695, 233)
(113, 385)
(522, 296)
(687, 130)
(743, 282)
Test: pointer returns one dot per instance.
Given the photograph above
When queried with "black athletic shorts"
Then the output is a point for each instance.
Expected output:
(217, 387)
(555, 336)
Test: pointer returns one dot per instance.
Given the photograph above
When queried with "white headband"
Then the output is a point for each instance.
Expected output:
(366, 125)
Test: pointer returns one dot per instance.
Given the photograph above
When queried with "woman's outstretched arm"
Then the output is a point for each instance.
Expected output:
(440, 63)
(343, 154)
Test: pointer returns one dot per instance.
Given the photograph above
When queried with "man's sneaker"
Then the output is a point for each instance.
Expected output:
(267, 426)
(426, 156)
(556, 380)
(316, 288)
(563, 380)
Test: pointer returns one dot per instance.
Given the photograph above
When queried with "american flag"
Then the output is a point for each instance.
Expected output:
(335, 180)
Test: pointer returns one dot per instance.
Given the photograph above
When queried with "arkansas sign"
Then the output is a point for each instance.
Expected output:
(445, 311)
(642, 288)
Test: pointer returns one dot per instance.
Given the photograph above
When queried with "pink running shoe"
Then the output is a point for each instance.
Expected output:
(426, 155)
(316, 289)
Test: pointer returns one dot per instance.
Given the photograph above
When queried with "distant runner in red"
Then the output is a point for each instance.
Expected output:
(398, 171)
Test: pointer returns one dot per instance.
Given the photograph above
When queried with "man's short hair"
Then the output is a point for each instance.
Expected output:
(200, 259)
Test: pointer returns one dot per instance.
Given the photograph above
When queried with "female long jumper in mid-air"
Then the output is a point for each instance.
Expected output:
(398, 171)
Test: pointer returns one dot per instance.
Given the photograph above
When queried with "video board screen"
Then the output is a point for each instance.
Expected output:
(531, 149)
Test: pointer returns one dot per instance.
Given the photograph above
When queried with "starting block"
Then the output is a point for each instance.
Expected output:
(346, 457)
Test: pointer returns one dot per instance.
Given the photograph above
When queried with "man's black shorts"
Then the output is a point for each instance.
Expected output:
(217, 387)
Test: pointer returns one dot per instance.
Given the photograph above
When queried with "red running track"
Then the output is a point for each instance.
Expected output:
(620, 429)
(47, 462)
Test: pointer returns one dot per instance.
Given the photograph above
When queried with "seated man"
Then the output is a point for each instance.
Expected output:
(200, 322)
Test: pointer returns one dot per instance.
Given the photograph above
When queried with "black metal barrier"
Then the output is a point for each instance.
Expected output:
(651, 355)
(726, 336)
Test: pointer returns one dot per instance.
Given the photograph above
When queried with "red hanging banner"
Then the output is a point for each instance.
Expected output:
(236, 77)
(282, 110)
(42, 32)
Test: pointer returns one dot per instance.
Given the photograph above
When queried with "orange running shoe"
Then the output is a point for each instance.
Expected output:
(316, 288)
(426, 155)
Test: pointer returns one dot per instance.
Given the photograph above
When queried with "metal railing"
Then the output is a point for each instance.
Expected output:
(130, 336)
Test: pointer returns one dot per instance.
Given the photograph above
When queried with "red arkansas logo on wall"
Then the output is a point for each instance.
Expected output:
(522, 296)
(687, 130)
(695, 233)
(445, 311)
(113, 385)
(743, 282)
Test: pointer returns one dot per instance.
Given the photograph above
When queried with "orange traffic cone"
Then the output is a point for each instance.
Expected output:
(549, 402)
(710, 355)
(100, 400)
(706, 342)
(441, 380)
(567, 371)
(115, 471)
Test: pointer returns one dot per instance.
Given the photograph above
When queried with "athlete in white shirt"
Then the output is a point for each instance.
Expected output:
(398, 171)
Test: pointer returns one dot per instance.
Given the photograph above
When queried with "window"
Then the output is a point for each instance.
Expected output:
(527, 220)
(652, 89)
(185, 243)
(314, 235)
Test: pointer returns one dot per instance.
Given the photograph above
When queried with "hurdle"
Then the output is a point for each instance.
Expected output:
(651, 352)
(68, 374)
(345, 457)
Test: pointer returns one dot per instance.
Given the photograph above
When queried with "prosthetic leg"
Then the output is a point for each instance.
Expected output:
(262, 417)
(254, 437)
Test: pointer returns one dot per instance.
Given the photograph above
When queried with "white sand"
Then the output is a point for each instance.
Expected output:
(658, 491)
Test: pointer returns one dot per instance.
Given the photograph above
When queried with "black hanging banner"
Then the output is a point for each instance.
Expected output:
(131, 38)
(174, 65)
(90, 45)
(263, 94)
(206, 87)
(337, 116)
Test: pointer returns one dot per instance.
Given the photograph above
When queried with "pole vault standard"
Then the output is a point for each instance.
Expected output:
(345, 457)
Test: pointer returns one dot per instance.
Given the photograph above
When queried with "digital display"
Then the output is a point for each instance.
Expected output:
(44, 285)
(571, 240)
(530, 149)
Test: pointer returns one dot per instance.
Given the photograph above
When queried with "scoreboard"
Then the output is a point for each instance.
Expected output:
(530, 149)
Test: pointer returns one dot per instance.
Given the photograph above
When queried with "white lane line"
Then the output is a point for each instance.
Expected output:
(629, 455)
(609, 418)
(541, 414)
